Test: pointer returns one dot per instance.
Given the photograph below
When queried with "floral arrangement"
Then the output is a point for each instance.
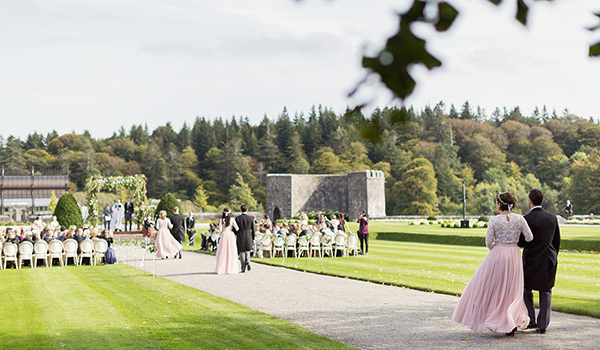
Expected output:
(137, 183)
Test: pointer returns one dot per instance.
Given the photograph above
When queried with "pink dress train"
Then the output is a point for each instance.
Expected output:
(493, 299)
(166, 244)
(227, 253)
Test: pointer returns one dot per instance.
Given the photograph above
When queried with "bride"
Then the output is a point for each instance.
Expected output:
(227, 254)
(166, 244)
(493, 299)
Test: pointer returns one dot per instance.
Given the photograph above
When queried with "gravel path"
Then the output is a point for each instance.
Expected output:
(362, 314)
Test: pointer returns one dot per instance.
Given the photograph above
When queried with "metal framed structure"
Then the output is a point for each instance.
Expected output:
(30, 189)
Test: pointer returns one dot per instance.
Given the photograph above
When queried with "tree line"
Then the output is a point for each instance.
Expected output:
(426, 158)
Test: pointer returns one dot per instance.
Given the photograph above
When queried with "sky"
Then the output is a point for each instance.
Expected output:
(97, 65)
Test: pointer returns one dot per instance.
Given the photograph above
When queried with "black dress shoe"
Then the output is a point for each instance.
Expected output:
(532, 325)
(541, 331)
(248, 266)
(512, 333)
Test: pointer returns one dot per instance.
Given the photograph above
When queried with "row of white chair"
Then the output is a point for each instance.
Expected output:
(94, 250)
(312, 245)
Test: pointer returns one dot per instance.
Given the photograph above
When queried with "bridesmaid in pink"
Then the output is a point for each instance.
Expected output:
(165, 243)
(493, 299)
(227, 253)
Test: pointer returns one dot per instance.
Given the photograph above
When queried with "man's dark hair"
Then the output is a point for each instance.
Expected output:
(244, 208)
(536, 196)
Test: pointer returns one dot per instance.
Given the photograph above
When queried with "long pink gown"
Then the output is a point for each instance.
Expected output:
(227, 253)
(166, 244)
(493, 299)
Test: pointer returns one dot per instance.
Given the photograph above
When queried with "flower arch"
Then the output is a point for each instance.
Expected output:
(96, 184)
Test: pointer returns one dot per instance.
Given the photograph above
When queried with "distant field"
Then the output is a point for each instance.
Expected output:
(567, 231)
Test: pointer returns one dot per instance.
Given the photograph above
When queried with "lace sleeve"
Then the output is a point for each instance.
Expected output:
(490, 234)
(526, 230)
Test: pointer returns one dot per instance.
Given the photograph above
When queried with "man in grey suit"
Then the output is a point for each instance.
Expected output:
(540, 260)
(245, 237)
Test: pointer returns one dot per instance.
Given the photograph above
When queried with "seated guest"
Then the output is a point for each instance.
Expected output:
(12, 236)
(93, 234)
(334, 223)
(28, 237)
(78, 235)
(305, 231)
(47, 235)
(107, 236)
(303, 219)
(68, 234)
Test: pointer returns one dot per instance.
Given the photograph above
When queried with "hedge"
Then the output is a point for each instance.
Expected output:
(565, 244)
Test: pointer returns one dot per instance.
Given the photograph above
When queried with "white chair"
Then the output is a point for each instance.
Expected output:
(327, 245)
(256, 252)
(10, 254)
(278, 244)
(267, 245)
(26, 253)
(86, 248)
(55, 250)
(40, 251)
(70, 250)
(315, 245)
(303, 246)
(100, 248)
(290, 244)
(340, 244)
(215, 238)
(353, 244)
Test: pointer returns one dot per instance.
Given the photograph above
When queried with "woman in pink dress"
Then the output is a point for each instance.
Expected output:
(493, 299)
(227, 253)
(166, 244)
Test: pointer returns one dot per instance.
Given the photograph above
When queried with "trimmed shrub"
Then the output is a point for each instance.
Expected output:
(483, 218)
(431, 218)
(67, 211)
(167, 203)
(456, 225)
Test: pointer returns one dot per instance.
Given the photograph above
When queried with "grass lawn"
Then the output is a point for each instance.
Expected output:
(589, 232)
(121, 307)
(447, 269)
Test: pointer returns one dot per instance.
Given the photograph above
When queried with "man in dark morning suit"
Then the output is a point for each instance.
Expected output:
(178, 230)
(128, 214)
(245, 237)
(190, 223)
(540, 260)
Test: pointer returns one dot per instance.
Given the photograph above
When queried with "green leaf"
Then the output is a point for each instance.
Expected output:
(446, 16)
(595, 50)
(495, 2)
(522, 11)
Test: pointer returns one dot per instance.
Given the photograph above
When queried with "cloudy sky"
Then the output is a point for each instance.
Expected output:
(72, 65)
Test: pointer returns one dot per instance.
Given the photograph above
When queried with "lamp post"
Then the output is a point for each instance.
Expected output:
(464, 222)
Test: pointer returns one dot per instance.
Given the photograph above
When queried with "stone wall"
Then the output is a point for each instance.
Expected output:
(288, 194)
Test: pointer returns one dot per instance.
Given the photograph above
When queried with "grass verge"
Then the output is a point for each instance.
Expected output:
(120, 307)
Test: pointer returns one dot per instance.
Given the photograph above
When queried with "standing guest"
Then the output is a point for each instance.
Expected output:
(303, 219)
(107, 216)
(493, 299)
(320, 219)
(178, 229)
(267, 221)
(53, 225)
(363, 232)
(190, 223)
(38, 225)
(227, 253)
(342, 225)
(540, 259)
(128, 214)
(148, 231)
(245, 237)
(569, 210)
(335, 223)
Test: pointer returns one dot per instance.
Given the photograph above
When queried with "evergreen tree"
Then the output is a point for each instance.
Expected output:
(167, 203)
(67, 211)
(201, 197)
(240, 194)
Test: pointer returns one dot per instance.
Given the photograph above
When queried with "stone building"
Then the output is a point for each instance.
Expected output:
(351, 193)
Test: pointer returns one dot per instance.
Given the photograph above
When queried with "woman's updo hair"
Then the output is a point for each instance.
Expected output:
(226, 217)
(506, 200)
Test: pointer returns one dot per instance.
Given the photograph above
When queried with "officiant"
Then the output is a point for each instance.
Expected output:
(116, 220)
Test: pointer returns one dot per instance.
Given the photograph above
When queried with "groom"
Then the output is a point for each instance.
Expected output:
(178, 230)
(540, 259)
(245, 237)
